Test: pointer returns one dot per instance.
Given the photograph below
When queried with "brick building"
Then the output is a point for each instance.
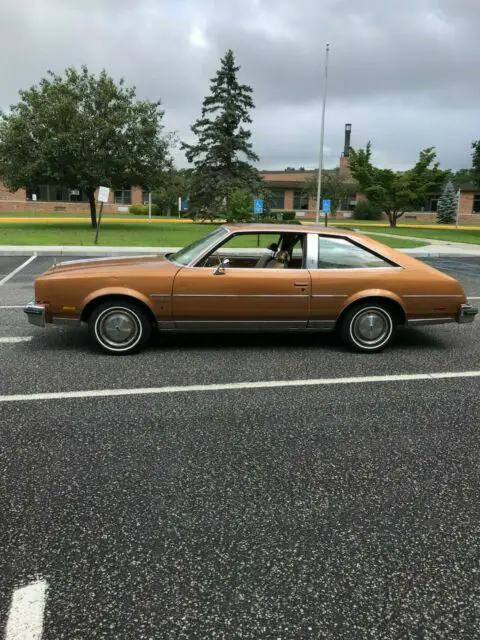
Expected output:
(287, 188)
(60, 199)
(288, 193)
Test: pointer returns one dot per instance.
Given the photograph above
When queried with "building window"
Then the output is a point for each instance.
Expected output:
(123, 196)
(300, 200)
(476, 203)
(55, 193)
(277, 200)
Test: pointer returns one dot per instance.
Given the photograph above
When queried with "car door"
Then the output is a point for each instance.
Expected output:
(344, 268)
(241, 298)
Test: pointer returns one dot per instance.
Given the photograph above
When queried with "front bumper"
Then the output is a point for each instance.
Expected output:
(36, 314)
(466, 314)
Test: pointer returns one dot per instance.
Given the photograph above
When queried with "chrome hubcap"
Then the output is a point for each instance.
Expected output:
(119, 328)
(371, 327)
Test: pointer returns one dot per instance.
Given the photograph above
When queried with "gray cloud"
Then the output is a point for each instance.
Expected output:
(403, 72)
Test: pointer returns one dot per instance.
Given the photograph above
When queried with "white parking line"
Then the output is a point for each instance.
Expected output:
(25, 618)
(15, 340)
(267, 384)
(10, 275)
(11, 306)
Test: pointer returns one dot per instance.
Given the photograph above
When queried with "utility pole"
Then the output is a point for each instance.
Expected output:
(322, 137)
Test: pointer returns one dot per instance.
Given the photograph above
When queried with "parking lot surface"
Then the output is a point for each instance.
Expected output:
(308, 511)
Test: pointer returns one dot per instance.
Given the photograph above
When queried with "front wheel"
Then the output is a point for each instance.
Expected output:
(119, 327)
(368, 327)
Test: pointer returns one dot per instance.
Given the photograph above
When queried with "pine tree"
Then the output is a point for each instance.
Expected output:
(223, 153)
(447, 205)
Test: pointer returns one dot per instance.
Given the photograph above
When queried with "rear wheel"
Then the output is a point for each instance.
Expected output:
(368, 327)
(119, 327)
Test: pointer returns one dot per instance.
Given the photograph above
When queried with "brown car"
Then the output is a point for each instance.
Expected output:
(252, 277)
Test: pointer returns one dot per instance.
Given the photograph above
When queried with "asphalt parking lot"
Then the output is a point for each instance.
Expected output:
(340, 510)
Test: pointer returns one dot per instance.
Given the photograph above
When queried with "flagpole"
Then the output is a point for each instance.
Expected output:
(322, 137)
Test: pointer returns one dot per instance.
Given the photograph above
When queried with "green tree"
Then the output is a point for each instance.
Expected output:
(397, 192)
(223, 153)
(171, 185)
(334, 187)
(447, 205)
(82, 131)
(463, 176)
(239, 206)
(475, 171)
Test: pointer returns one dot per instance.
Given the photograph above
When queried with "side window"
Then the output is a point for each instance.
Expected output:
(340, 253)
(261, 250)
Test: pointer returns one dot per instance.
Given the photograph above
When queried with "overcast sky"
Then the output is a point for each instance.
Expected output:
(405, 73)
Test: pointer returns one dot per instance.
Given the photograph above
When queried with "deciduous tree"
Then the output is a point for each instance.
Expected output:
(82, 131)
(397, 192)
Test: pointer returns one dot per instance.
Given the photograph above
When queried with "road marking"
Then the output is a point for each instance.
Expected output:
(25, 618)
(473, 297)
(10, 275)
(15, 340)
(11, 306)
(267, 384)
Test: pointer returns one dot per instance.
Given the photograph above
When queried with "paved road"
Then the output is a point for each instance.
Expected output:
(331, 511)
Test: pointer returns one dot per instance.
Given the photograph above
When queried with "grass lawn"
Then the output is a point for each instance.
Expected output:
(448, 235)
(123, 234)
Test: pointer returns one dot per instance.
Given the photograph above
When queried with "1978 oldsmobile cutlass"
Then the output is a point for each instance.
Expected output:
(252, 277)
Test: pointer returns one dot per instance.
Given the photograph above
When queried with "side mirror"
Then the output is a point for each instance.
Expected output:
(220, 270)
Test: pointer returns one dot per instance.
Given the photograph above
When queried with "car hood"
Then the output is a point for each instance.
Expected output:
(124, 262)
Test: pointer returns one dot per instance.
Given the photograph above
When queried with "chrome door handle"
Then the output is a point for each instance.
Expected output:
(301, 284)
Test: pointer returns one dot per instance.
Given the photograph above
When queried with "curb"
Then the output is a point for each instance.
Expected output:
(89, 251)
(52, 251)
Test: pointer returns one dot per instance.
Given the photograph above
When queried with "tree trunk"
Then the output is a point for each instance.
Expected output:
(93, 208)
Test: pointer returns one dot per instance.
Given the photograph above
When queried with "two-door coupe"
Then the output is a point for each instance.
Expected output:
(252, 277)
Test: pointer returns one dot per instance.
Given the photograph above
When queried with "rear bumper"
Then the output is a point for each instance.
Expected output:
(36, 314)
(466, 314)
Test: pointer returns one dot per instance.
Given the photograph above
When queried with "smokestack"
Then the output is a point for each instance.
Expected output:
(348, 133)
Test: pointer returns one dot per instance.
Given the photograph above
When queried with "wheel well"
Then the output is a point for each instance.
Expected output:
(388, 302)
(87, 311)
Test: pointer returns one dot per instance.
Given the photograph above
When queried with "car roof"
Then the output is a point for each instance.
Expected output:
(367, 241)
(286, 228)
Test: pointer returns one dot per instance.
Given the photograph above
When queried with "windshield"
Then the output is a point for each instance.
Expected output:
(195, 249)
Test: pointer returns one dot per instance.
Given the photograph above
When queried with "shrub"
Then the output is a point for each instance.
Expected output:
(366, 210)
(142, 209)
(275, 221)
(137, 209)
(288, 215)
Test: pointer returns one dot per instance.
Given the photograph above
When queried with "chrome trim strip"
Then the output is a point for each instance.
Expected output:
(326, 325)
(242, 325)
(311, 253)
(160, 295)
(431, 295)
(241, 295)
(166, 325)
(103, 259)
(333, 295)
(427, 321)
(66, 322)
(362, 269)
(211, 246)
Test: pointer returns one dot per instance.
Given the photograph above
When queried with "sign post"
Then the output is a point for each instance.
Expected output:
(150, 205)
(258, 206)
(103, 195)
(327, 209)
